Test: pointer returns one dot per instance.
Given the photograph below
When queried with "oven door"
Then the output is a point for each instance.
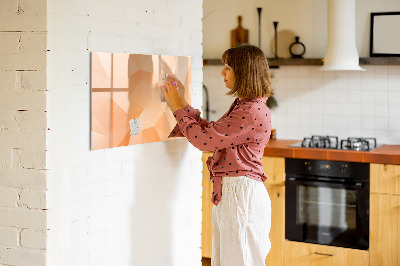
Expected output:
(327, 213)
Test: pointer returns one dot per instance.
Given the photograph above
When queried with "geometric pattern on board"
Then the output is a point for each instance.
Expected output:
(125, 92)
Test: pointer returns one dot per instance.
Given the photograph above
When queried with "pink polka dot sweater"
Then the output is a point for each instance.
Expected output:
(238, 139)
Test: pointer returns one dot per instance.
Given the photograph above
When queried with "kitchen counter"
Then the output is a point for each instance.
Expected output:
(389, 154)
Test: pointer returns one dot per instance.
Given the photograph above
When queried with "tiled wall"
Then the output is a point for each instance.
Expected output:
(313, 102)
(133, 205)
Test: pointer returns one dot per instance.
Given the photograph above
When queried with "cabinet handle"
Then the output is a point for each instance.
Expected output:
(324, 254)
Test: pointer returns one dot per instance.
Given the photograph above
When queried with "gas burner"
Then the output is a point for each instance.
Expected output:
(327, 142)
(332, 142)
(358, 144)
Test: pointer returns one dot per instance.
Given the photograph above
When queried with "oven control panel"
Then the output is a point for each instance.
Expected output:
(338, 169)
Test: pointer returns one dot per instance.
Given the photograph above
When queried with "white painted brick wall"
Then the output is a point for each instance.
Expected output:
(23, 128)
(34, 239)
(33, 198)
(23, 218)
(136, 205)
(8, 197)
(23, 178)
(9, 237)
(11, 256)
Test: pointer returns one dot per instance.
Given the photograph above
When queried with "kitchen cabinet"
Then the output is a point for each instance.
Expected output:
(385, 230)
(305, 254)
(277, 233)
(274, 168)
(384, 221)
(385, 215)
(206, 225)
(385, 178)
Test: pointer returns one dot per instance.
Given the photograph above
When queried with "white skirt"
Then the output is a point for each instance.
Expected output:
(241, 223)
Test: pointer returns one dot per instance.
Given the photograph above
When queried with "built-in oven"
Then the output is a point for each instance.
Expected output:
(327, 202)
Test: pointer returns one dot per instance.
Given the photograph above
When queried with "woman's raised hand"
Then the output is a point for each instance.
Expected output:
(172, 95)
(181, 91)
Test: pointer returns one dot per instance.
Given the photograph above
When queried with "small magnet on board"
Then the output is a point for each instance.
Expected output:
(134, 126)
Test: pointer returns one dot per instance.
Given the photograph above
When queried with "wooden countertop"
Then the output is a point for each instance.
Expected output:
(389, 154)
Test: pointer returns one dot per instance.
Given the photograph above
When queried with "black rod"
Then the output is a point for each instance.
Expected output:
(207, 107)
(276, 38)
(259, 26)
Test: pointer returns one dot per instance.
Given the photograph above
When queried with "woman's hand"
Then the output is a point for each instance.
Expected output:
(170, 90)
(181, 91)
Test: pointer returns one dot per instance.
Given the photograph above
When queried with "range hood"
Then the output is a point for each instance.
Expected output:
(341, 51)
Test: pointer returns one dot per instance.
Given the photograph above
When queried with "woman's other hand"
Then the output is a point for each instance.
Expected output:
(171, 94)
(181, 89)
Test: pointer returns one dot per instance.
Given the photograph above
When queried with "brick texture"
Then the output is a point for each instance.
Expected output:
(23, 218)
(9, 237)
(8, 197)
(33, 239)
(23, 125)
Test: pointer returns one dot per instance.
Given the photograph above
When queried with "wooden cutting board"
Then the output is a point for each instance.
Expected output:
(239, 35)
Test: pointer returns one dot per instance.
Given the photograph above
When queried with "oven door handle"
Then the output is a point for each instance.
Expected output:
(357, 185)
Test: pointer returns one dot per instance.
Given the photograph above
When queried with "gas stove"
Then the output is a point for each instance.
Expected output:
(332, 142)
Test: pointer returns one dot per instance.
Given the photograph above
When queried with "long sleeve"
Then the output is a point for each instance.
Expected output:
(193, 113)
(238, 139)
(231, 130)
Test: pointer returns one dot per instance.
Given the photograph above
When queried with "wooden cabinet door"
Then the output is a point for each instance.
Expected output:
(277, 233)
(304, 254)
(384, 236)
(274, 168)
(206, 226)
(385, 178)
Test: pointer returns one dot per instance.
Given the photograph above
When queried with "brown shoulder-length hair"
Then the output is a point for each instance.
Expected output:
(250, 66)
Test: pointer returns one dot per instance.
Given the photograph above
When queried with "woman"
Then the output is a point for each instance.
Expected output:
(242, 209)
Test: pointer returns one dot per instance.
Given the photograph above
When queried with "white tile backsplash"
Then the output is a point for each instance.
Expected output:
(394, 137)
(394, 123)
(367, 96)
(329, 109)
(367, 83)
(380, 71)
(394, 97)
(342, 96)
(381, 83)
(394, 82)
(292, 83)
(367, 110)
(345, 103)
(394, 110)
(381, 97)
(381, 110)
(304, 82)
(393, 71)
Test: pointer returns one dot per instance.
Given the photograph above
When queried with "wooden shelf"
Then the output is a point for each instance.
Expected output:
(273, 63)
(380, 61)
(294, 62)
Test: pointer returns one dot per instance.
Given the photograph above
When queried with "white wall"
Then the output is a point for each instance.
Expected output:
(305, 18)
(344, 103)
(23, 133)
(135, 205)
